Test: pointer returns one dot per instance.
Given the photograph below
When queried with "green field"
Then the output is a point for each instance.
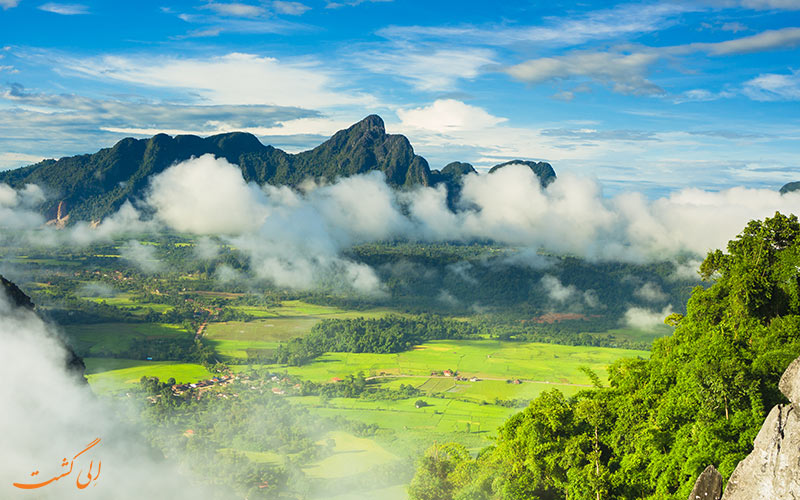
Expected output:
(350, 455)
(115, 338)
(113, 374)
(486, 359)
(292, 319)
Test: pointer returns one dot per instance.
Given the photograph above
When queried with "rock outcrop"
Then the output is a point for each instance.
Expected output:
(708, 485)
(772, 470)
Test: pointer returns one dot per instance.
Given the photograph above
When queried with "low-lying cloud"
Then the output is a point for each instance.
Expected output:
(297, 237)
(49, 415)
(646, 319)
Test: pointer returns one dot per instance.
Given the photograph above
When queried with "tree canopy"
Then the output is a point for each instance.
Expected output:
(698, 400)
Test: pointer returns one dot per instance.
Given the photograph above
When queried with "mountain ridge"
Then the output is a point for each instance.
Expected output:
(93, 186)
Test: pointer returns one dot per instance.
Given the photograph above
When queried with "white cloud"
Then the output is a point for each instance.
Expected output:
(65, 9)
(214, 198)
(621, 21)
(290, 8)
(446, 115)
(767, 40)
(351, 3)
(8, 4)
(235, 9)
(650, 292)
(143, 256)
(624, 72)
(437, 69)
(771, 4)
(234, 78)
(734, 27)
(646, 319)
(774, 87)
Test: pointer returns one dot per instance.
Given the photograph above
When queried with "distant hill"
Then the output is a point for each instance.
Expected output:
(789, 187)
(93, 186)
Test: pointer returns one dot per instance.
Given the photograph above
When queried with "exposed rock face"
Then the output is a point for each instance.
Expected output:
(790, 382)
(708, 485)
(772, 470)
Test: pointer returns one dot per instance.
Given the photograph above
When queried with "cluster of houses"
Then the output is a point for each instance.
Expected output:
(457, 377)
(203, 384)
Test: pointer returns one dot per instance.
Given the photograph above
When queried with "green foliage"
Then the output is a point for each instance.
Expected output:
(698, 400)
(389, 334)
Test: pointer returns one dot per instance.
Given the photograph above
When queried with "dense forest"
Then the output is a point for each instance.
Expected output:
(699, 399)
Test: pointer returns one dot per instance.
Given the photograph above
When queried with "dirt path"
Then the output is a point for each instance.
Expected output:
(201, 330)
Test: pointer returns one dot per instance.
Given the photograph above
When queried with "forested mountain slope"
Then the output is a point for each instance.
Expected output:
(93, 186)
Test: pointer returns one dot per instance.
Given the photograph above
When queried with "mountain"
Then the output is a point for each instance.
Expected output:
(92, 186)
(452, 176)
(543, 169)
(789, 187)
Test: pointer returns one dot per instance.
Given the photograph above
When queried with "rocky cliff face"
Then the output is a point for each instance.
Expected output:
(772, 470)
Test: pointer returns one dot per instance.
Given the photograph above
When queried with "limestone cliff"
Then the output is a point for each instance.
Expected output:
(772, 470)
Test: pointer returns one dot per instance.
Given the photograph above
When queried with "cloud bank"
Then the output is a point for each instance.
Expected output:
(297, 238)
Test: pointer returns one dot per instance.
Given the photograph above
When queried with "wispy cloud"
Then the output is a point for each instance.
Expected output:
(238, 18)
(351, 3)
(625, 73)
(235, 9)
(621, 21)
(785, 38)
(234, 78)
(590, 134)
(437, 69)
(65, 9)
(774, 87)
(34, 124)
(8, 4)
(290, 8)
(771, 4)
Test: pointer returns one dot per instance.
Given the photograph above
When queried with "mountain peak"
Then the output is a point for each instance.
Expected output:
(371, 122)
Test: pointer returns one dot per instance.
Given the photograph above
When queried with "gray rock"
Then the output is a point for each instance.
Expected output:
(790, 382)
(772, 469)
(708, 485)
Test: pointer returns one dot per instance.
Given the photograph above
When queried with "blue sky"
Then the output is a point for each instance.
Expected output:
(650, 96)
